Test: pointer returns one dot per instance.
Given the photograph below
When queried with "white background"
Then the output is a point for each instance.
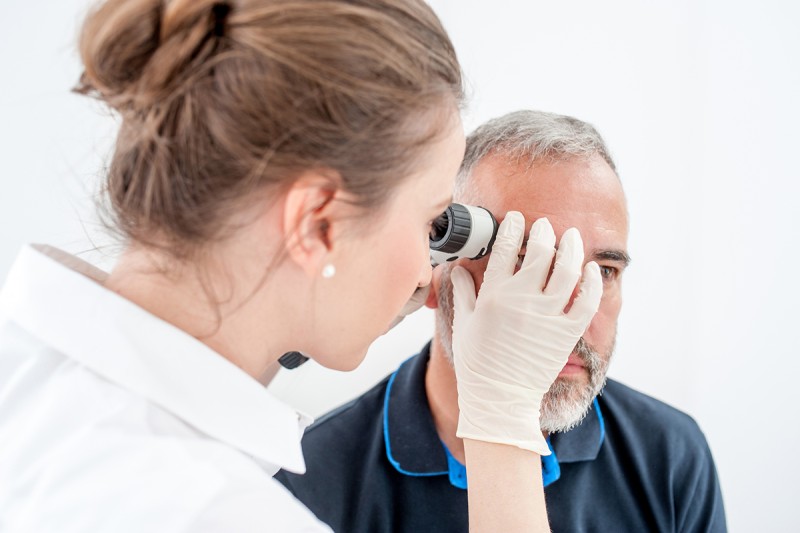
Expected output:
(698, 102)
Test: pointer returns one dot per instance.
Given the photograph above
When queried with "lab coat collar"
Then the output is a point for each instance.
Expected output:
(60, 299)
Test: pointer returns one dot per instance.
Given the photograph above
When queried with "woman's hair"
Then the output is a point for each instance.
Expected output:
(218, 99)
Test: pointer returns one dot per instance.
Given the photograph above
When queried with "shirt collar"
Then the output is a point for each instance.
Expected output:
(61, 300)
(413, 446)
(583, 442)
(412, 443)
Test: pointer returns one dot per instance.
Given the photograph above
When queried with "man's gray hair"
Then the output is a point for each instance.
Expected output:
(531, 136)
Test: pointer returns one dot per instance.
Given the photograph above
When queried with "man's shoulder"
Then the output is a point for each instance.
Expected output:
(349, 420)
(642, 406)
(667, 455)
(636, 414)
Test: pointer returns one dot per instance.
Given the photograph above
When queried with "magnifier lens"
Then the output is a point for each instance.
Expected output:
(439, 227)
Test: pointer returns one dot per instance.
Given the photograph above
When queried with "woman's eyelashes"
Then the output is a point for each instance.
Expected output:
(431, 229)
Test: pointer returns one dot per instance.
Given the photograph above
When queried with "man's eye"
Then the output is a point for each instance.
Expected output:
(608, 273)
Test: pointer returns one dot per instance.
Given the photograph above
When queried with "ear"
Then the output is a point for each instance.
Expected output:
(307, 220)
(432, 302)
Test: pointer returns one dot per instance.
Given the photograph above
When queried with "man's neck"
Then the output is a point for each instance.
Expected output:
(440, 387)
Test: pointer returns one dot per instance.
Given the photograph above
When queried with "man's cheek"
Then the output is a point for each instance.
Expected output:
(602, 329)
(476, 269)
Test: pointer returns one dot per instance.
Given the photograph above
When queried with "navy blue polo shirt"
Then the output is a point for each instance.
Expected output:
(633, 464)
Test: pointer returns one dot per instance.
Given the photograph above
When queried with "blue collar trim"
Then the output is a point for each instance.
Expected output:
(457, 472)
(413, 446)
(551, 469)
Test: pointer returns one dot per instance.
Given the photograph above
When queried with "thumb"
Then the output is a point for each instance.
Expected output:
(463, 293)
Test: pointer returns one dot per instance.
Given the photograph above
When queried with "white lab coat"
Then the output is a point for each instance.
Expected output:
(112, 420)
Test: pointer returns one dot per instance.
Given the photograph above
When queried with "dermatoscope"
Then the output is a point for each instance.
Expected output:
(462, 231)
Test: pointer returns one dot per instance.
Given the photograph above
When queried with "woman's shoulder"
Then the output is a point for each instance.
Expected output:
(141, 469)
(90, 455)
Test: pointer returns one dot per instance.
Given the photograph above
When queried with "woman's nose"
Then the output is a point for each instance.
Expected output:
(426, 274)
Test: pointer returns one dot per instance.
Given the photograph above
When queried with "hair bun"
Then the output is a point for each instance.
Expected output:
(138, 52)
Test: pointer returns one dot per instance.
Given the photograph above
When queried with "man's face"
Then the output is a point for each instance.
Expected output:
(584, 193)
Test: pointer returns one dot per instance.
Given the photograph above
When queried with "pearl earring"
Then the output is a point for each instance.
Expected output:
(328, 271)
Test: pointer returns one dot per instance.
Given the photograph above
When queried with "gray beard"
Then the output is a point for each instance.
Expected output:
(568, 401)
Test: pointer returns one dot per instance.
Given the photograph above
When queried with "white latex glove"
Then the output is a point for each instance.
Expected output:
(511, 340)
(416, 301)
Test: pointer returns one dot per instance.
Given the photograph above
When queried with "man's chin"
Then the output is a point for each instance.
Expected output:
(567, 402)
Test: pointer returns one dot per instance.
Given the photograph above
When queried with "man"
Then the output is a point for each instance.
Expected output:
(622, 461)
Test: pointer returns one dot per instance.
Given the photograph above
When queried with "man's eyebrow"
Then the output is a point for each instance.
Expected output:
(611, 255)
(620, 256)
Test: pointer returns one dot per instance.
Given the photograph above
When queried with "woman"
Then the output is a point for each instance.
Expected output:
(277, 169)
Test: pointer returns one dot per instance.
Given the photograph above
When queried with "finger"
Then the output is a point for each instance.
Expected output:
(587, 302)
(464, 295)
(505, 250)
(567, 269)
(539, 253)
(416, 301)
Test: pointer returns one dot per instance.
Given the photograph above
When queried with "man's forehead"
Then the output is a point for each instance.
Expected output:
(489, 180)
(580, 192)
(501, 177)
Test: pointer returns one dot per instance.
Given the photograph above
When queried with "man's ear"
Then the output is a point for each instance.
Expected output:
(308, 220)
(432, 302)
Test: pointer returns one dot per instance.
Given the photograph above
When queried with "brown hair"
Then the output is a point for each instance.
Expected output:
(219, 98)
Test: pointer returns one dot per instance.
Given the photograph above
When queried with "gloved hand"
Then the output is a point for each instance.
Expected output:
(416, 301)
(511, 341)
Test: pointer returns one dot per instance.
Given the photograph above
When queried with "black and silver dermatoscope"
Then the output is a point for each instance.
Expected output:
(462, 231)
